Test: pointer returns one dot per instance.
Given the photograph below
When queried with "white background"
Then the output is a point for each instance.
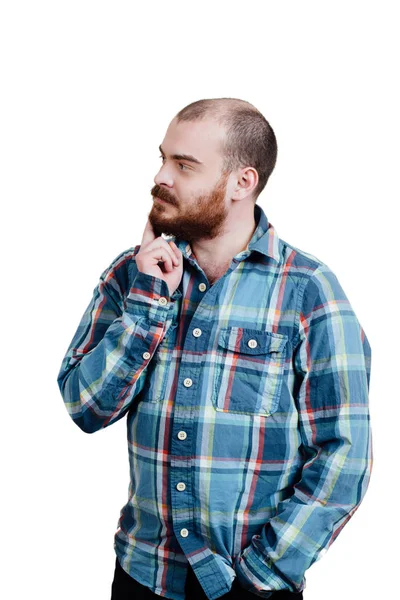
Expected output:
(88, 90)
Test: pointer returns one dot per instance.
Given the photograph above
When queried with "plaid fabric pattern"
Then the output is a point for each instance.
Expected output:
(248, 425)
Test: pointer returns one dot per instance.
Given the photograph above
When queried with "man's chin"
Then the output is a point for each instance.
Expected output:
(159, 226)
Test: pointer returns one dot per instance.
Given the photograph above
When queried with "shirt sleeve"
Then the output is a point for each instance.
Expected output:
(104, 367)
(332, 365)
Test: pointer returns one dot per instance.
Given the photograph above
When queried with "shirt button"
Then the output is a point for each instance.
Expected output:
(252, 343)
(163, 301)
(188, 382)
(182, 435)
(184, 532)
(181, 486)
(146, 355)
(202, 287)
(197, 332)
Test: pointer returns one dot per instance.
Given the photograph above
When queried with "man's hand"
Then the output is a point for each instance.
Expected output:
(154, 250)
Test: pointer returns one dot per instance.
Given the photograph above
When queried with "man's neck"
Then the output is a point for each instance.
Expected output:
(219, 251)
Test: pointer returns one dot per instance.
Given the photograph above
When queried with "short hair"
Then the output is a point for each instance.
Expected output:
(249, 141)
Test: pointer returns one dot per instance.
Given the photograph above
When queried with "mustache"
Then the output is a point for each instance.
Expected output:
(160, 193)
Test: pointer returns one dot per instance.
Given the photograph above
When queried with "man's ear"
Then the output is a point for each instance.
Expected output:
(247, 181)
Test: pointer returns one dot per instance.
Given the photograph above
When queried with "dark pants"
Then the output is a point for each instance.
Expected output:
(125, 587)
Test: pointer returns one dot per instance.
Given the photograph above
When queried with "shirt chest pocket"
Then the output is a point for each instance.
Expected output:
(249, 370)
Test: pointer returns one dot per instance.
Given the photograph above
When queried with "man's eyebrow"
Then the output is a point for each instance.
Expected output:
(187, 157)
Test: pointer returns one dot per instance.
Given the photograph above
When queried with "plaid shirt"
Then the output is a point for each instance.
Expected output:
(248, 422)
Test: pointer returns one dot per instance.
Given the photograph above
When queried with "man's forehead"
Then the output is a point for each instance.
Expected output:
(201, 139)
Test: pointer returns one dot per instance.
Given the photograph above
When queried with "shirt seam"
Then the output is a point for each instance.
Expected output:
(300, 298)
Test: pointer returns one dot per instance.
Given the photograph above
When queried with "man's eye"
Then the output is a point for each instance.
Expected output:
(180, 164)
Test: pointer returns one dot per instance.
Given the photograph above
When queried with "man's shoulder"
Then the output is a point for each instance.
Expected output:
(317, 281)
(121, 271)
(120, 262)
(300, 261)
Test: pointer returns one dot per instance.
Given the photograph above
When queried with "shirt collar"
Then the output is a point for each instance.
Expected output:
(264, 239)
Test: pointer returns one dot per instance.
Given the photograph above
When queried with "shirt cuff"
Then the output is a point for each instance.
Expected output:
(254, 574)
(149, 296)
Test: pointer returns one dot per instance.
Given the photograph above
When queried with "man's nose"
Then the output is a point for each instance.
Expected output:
(164, 176)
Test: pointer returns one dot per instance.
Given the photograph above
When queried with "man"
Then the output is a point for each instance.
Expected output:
(242, 369)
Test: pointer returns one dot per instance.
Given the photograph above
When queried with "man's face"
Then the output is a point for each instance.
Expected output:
(193, 195)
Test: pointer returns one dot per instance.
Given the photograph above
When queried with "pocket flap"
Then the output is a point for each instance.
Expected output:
(237, 339)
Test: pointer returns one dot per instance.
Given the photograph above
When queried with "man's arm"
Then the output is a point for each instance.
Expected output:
(105, 365)
(332, 362)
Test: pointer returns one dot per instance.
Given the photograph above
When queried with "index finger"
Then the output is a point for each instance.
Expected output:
(148, 234)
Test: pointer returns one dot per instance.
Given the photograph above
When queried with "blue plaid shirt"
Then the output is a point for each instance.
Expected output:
(248, 422)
